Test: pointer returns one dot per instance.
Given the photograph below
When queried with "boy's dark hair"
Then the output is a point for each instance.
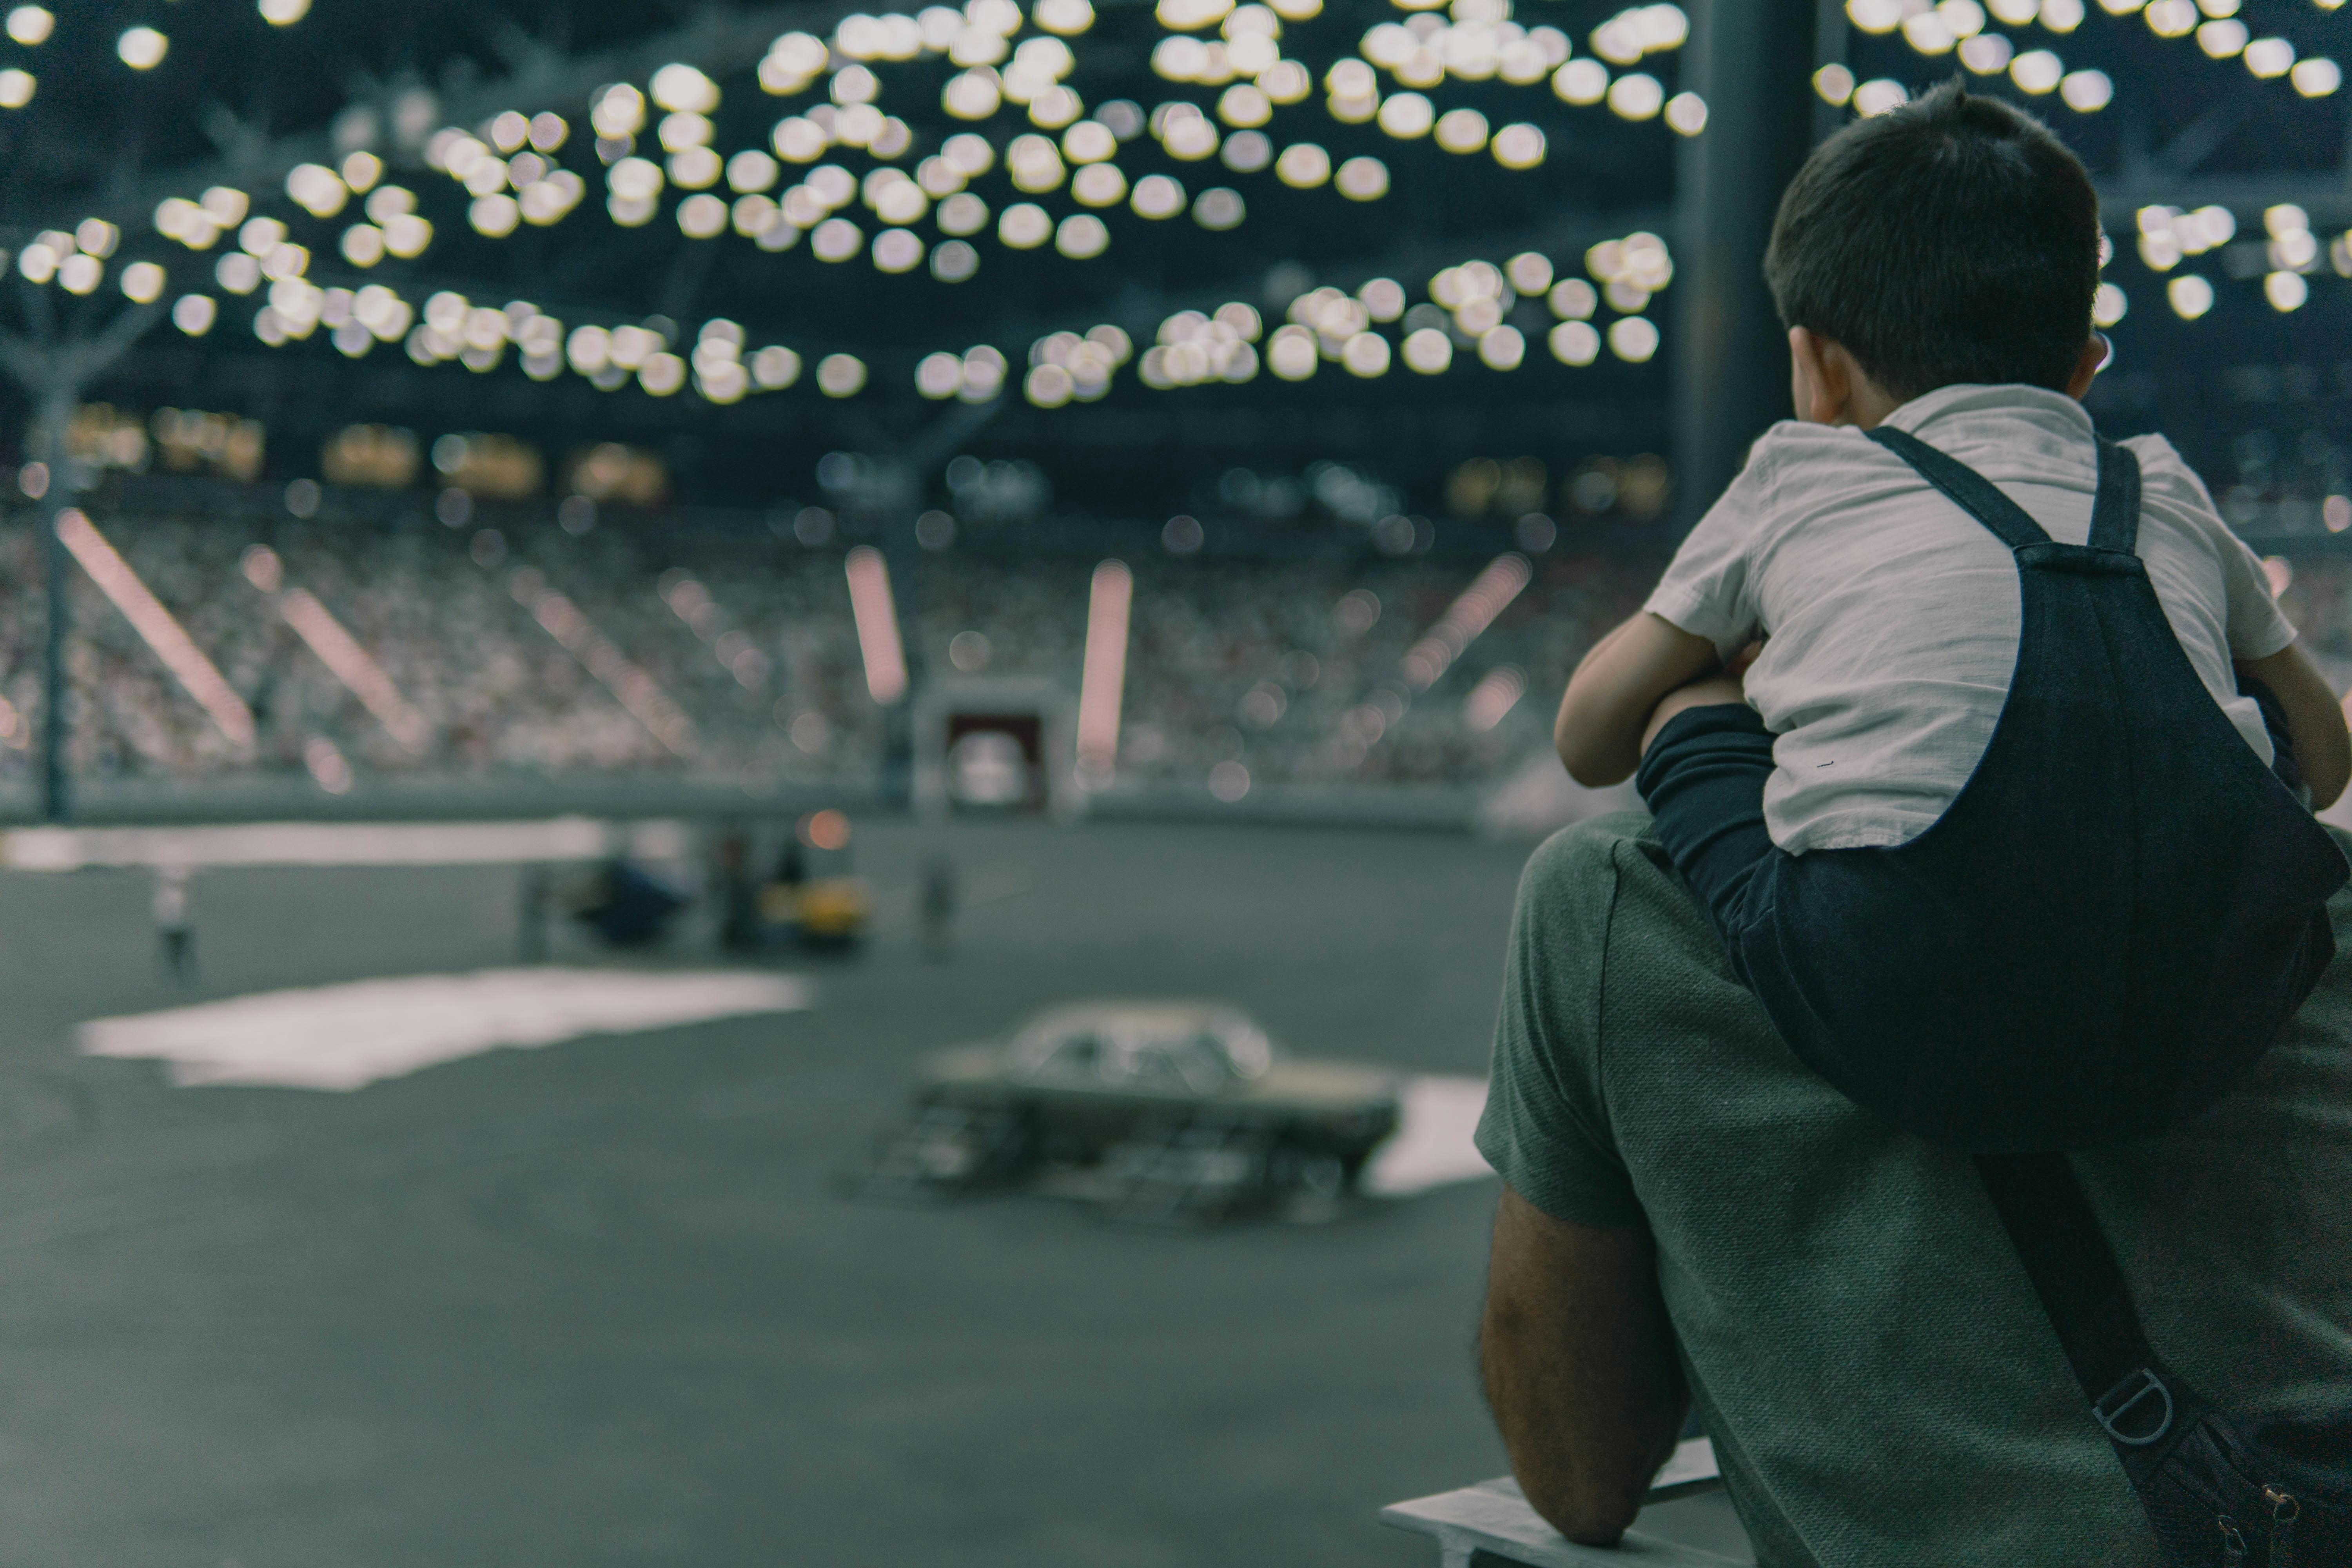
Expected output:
(1953, 239)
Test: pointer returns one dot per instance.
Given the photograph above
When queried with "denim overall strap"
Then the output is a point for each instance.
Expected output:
(2074, 1272)
(2115, 517)
(1977, 495)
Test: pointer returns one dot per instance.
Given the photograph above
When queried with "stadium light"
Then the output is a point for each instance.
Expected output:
(544, 193)
(1103, 681)
(156, 627)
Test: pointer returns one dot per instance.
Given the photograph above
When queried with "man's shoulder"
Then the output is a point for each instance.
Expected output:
(1595, 845)
(1605, 864)
(1591, 843)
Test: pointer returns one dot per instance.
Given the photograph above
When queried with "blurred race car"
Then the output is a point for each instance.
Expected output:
(1178, 1109)
(816, 899)
(829, 912)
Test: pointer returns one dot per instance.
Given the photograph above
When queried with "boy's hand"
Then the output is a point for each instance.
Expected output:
(1737, 668)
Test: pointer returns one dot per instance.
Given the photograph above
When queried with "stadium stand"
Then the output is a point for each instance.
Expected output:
(1294, 671)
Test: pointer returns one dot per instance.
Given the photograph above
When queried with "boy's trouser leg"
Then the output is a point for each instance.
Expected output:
(1703, 779)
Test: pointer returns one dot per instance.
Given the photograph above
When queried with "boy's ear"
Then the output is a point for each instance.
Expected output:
(1819, 385)
(2088, 363)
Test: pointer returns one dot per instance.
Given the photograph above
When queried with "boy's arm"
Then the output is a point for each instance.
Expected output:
(2314, 721)
(1610, 697)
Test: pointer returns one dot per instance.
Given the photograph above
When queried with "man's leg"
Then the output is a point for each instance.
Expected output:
(1702, 776)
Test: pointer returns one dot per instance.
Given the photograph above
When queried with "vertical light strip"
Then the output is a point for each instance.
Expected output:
(1103, 683)
(154, 624)
(1494, 696)
(877, 624)
(1487, 596)
(354, 667)
(635, 690)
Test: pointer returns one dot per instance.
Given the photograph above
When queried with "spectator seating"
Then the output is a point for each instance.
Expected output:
(753, 638)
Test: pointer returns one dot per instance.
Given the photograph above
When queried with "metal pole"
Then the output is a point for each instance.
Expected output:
(896, 498)
(53, 412)
(1752, 61)
(1829, 48)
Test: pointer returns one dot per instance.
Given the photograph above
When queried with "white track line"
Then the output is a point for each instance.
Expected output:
(340, 844)
(348, 1037)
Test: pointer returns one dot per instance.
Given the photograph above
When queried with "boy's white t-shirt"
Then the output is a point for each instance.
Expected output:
(1892, 616)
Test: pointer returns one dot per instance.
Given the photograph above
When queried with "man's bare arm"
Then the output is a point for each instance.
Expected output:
(1579, 1367)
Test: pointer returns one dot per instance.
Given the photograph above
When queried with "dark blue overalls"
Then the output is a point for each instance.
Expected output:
(2109, 923)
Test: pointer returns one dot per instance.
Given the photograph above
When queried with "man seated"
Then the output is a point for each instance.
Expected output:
(1692, 1216)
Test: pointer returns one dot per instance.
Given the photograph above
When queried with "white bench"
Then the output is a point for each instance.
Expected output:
(1493, 1519)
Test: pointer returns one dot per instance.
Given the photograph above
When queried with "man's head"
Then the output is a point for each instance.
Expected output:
(1954, 239)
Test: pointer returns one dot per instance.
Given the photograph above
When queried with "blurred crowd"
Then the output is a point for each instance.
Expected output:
(738, 657)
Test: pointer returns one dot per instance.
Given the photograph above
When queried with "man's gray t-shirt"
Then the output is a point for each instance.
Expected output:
(1864, 1349)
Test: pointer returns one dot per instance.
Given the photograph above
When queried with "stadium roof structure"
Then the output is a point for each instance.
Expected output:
(858, 192)
(1135, 243)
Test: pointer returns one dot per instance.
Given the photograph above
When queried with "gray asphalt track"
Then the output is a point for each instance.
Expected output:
(600, 1304)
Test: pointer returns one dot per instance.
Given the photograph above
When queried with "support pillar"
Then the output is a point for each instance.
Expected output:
(1829, 48)
(53, 412)
(897, 500)
(53, 374)
(1752, 61)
